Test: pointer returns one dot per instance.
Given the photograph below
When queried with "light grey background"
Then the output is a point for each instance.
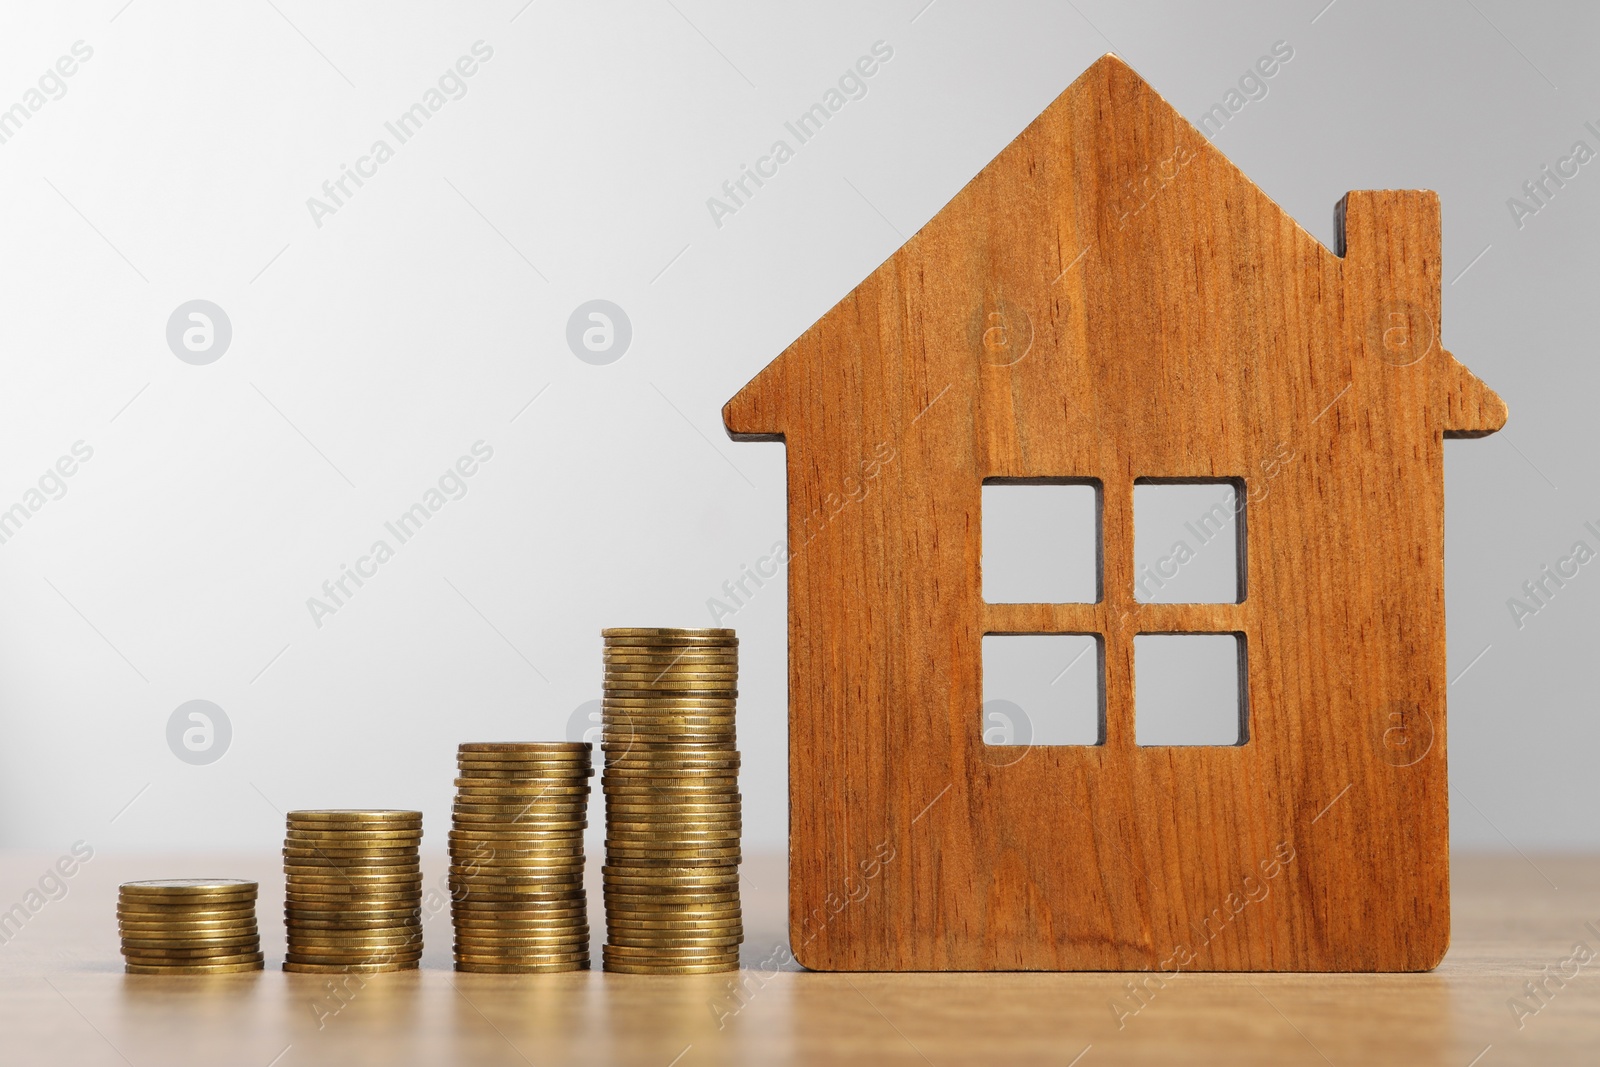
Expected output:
(430, 313)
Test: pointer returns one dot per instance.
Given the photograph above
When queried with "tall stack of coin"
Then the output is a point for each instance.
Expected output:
(354, 893)
(516, 857)
(672, 801)
(189, 926)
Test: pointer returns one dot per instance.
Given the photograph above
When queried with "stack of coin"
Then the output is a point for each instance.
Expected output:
(354, 892)
(189, 926)
(672, 801)
(516, 857)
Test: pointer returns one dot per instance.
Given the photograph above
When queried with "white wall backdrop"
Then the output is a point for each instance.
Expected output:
(422, 317)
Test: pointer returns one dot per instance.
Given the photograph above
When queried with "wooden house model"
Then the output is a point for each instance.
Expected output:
(1110, 300)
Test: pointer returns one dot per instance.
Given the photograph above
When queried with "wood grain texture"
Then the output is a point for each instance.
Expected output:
(1111, 299)
(64, 1000)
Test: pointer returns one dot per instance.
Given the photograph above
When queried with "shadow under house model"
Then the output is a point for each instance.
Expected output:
(1112, 300)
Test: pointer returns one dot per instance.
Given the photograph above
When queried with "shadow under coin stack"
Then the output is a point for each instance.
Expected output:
(354, 891)
(672, 801)
(516, 857)
(189, 926)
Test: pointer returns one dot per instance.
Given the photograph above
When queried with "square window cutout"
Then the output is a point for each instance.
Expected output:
(1188, 542)
(1189, 689)
(1043, 689)
(1041, 542)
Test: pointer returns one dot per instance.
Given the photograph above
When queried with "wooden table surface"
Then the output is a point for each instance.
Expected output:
(64, 999)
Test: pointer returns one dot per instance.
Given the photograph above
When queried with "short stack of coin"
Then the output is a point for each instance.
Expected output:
(354, 891)
(516, 857)
(189, 926)
(672, 801)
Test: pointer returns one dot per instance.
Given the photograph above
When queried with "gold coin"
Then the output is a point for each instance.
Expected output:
(670, 954)
(551, 890)
(487, 776)
(199, 968)
(183, 930)
(480, 956)
(565, 933)
(569, 919)
(495, 853)
(663, 697)
(346, 920)
(675, 813)
(526, 822)
(566, 749)
(550, 915)
(706, 633)
(642, 736)
(186, 913)
(348, 968)
(511, 895)
(474, 940)
(352, 883)
(655, 676)
(308, 948)
(623, 646)
(617, 874)
(685, 813)
(564, 888)
(188, 890)
(383, 928)
(356, 908)
(389, 937)
(540, 776)
(674, 831)
(667, 904)
(723, 859)
(668, 709)
(368, 874)
(184, 917)
(313, 953)
(641, 774)
(644, 652)
(621, 967)
(373, 864)
(515, 838)
(571, 847)
(709, 945)
(629, 927)
(222, 958)
(541, 793)
(668, 749)
(663, 920)
(473, 911)
(656, 840)
(358, 816)
(532, 809)
(311, 897)
(522, 968)
(470, 861)
(148, 951)
(669, 681)
(380, 852)
(358, 963)
(666, 901)
(630, 695)
(645, 922)
(549, 872)
(644, 760)
(562, 791)
(552, 810)
(485, 874)
(690, 782)
(335, 842)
